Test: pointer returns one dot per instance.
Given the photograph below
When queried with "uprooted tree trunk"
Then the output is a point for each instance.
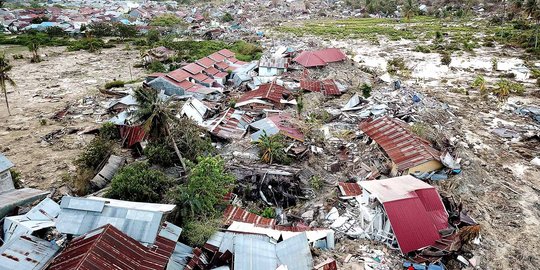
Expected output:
(3, 85)
(173, 141)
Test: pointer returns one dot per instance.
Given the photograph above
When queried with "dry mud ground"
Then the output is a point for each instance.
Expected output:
(45, 88)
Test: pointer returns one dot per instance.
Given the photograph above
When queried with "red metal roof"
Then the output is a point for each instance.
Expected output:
(222, 65)
(193, 68)
(283, 123)
(233, 213)
(331, 55)
(217, 57)
(312, 86)
(349, 189)
(132, 134)
(404, 148)
(270, 91)
(330, 88)
(226, 53)
(211, 71)
(186, 85)
(309, 59)
(221, 75)
(206, 62)
(178, 75)
(108, 248)
(414, 208)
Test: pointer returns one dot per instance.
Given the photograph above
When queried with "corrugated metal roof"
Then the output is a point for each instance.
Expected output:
(233, 213)
(273, 62)
(206, 62)
(41, 216)
(349, 189)
(195, 110)
(193, 68)
(26, 252)
(272, 92)
(331, 55)
(140, 221)
(230, 124)
(327, 87)
(404, 148)
(414, 208)
(108, 248)
(226, 53)
(5, 163)
(180, 257)
(275, 124)
(252, 252)
(18, 197)
(295, 253)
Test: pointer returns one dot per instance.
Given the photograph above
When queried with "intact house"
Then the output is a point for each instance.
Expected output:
(408, 152)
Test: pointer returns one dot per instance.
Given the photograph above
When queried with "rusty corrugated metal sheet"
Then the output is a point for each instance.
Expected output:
(414, 208)
(230, 124)
(404, 148)
(108, 248)
(270, 92)
(349, 189)
(233, 213)
(330, 88)
(312, 86)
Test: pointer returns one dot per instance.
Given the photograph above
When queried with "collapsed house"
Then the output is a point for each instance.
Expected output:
(272, 66)
(141, 221)
(107, 247)
(230, 124)
(408, 152)
(40, 217)
(26, 252)
(11, 198)
(268, 96)
(326, 87)
(276, 124)
(319, 58)
(402, 212)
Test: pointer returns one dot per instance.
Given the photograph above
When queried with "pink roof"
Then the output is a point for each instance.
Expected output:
(206, 62)
(414, 208)
(178, 75)
(217, 57)
(211, 71)
(222, 65)
(221, 75)
(283, 123)
(309, 59)
(402, 146)
(331, 55)
(200, 77)
(186, 85)
(193, 68)
(226, 53)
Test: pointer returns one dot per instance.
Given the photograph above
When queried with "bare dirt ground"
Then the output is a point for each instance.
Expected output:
(62, 79)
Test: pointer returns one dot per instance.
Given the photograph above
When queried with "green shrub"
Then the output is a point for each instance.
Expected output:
(138, 183)
(396, 65)
(160, 153)
(272, 149)
(366, 90)
(88, 44)
(166, 20)
(109, 131)
(316, 182)
(114, 84)
(94, 154)
(190, 140)
(269, 212)
(227, 17)
(208, 183)
(422, 49)
(157, 66)
(16, 177)
(197, 231)
(446, 59)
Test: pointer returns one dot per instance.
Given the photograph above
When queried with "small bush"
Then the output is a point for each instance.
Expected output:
(396, 65)
(272, 149)
(366, 90)
(446, 59)
(16, 177)
(269, 212)
(18, 56)
(94, 154)
(160, 153)
(43, 122)
(197, 232)
(316, 182)
(227, 17)
(422, 49)
(156, 66)
(138, 183)
(114, 84)
(109, 131)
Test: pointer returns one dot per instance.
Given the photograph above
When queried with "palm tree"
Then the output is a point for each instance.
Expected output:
(532, 9)
(33, 47)
(156, 116)
(409, 9)
(5, 67)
